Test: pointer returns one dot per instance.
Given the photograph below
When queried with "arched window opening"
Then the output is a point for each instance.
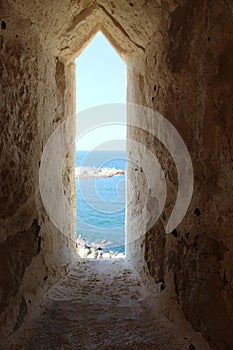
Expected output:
(100, 152)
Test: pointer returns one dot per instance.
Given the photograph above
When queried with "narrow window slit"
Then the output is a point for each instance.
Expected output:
(100, 152)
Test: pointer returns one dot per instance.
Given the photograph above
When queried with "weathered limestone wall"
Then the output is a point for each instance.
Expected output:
(187, 77)
(33, 85)
(179, 56)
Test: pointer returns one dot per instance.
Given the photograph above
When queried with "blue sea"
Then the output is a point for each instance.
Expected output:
(100, 202)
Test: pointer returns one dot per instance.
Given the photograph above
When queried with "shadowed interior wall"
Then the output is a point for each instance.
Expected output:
(33, 89)
(187, 77)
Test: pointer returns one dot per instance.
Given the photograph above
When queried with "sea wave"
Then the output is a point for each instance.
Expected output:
(87, 172)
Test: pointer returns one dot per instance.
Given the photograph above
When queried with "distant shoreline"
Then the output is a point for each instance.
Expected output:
(88, 172)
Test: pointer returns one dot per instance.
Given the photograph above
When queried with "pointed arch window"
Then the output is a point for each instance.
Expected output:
(100, 153)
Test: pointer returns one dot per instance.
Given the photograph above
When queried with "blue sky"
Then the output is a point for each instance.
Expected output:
(100, 79)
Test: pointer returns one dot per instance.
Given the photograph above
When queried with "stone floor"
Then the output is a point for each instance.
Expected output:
(103, 304)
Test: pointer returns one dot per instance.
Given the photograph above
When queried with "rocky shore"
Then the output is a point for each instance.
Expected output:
(87, 172)
(95, 251)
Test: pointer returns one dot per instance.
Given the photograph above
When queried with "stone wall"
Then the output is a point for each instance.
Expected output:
(187, 77)
(33, 86)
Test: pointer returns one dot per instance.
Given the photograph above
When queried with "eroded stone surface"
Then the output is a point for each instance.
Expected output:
(102, 305)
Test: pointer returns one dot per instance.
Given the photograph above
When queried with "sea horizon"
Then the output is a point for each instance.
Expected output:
(100, 202)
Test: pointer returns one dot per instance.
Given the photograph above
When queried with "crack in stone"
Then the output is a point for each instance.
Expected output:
(123, 31)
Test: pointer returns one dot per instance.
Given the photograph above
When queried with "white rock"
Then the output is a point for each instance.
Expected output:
(107, 256)
(83, 252)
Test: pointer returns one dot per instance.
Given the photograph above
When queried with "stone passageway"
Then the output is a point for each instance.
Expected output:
(179, 58)
(104, 305)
